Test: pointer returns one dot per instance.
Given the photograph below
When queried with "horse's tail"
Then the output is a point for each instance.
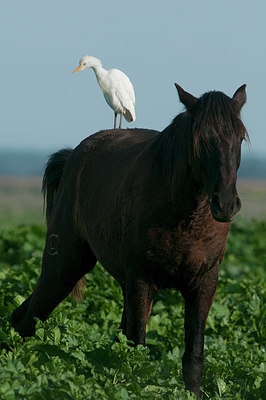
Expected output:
(52, 177)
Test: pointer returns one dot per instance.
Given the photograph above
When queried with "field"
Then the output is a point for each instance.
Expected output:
(74, 355)
(20, 200)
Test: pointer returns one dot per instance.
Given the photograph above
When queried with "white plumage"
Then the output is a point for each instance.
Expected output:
(116, 87)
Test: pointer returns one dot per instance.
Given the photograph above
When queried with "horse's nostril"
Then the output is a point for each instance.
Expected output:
(238, 203)
(215, 201)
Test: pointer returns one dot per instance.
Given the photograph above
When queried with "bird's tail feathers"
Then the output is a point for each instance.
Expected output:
(130, 115)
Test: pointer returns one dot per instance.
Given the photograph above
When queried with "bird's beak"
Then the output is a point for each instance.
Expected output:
(77, 69)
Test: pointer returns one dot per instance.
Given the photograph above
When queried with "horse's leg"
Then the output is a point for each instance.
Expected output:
(197, 305)
(138, 304)
(61, 270)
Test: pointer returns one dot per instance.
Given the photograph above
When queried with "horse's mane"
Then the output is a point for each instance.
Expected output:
(171, 150)
(188, 135)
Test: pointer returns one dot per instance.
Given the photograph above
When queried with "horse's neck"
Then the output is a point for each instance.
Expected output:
(172, 154)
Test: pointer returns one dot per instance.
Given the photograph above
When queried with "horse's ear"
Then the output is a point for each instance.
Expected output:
(186, 98)
(240, 97)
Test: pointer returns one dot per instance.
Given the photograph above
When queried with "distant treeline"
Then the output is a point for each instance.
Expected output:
(253, 167)
(23, 164)
(27, 164)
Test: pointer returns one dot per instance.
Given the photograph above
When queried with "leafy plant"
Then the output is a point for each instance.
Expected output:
(74, 355)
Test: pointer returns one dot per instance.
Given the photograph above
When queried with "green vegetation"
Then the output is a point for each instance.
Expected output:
(74, 355)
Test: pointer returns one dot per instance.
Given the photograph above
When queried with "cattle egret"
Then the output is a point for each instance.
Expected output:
(116, 87)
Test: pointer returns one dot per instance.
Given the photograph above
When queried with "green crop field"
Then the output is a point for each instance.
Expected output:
(73, 355)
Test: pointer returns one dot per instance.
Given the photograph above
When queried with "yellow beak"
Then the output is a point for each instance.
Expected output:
(77, 69)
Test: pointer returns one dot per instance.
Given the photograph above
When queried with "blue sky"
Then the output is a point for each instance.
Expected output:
(202, 45)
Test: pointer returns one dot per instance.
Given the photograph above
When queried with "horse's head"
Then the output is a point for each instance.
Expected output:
(216, 136)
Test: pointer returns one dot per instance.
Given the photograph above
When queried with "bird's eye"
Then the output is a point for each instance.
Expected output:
(84, 63)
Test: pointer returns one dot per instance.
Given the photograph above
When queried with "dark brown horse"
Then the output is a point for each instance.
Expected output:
(154, 208)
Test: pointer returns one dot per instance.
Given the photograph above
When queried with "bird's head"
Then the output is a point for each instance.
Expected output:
(87, 62)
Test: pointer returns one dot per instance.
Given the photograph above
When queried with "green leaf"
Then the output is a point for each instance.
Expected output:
(221, 386)
(57, 335)
(18, 300)
(52, 351)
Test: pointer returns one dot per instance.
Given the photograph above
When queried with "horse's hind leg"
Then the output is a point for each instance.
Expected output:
(197, 305)
(138, 303)
(61, 270)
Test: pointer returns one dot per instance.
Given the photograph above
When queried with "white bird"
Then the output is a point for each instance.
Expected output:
(116, 87)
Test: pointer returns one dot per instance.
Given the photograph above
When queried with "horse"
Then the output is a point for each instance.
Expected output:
(154, 208)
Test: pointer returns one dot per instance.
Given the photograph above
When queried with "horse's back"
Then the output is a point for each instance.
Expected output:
(105, 159)
(116, 144)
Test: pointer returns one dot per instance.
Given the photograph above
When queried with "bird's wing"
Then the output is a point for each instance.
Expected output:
(124, 93)
(122, 85)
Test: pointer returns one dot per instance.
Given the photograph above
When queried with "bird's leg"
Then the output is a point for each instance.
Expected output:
(115, 120)
(120, 125)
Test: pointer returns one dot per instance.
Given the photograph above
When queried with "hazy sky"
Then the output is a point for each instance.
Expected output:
(200, 44)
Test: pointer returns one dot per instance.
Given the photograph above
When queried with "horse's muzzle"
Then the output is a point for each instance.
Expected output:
(224, 208)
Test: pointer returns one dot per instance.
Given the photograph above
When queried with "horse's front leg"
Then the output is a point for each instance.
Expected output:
(138, 303)
(197, 306)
